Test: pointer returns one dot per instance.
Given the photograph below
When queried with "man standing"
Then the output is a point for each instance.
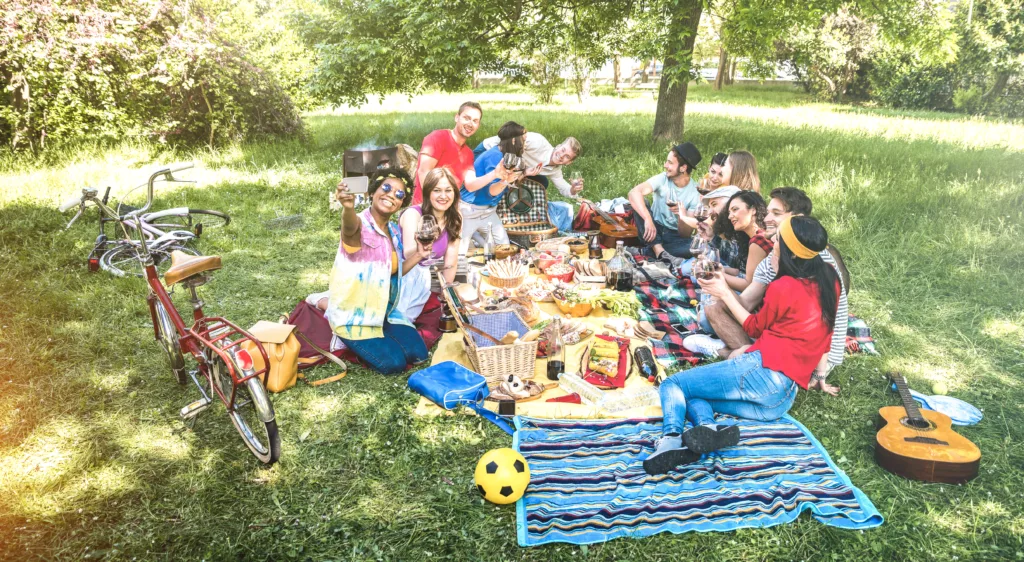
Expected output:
(785, 202)
(675, 195)
(447, 148)
(543, 163)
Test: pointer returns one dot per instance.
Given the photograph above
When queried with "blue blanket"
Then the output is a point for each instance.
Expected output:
(588, 485)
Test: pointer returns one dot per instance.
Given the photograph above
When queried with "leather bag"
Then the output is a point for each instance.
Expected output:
(282, 349)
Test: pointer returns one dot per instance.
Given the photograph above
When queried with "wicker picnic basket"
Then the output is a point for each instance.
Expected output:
(482, 334)
(524, 213)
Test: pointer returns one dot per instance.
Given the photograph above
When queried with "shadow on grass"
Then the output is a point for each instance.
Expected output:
(934, 249)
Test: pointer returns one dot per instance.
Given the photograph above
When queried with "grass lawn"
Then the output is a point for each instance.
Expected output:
(927, 211)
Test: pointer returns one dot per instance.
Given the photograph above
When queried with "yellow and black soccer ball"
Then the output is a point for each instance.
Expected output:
(502, 476)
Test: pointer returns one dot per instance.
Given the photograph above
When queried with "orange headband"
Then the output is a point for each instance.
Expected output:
(794, 245)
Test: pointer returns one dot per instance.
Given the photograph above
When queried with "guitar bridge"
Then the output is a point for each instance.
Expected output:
(926, 440)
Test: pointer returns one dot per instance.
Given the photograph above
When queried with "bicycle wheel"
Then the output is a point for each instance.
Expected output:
(168, 338)
(124, 260)
(196, 220)
(252, 408)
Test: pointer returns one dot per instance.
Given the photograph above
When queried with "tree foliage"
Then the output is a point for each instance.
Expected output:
(100, 69)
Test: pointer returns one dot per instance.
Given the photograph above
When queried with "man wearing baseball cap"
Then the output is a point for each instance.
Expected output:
(675, 196)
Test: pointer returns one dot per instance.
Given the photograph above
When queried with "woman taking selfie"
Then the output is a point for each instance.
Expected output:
(367, 277)
(436, 222)
(791, 331)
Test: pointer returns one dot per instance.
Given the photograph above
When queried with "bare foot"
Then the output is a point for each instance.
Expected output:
(823, 386)
(322, 304)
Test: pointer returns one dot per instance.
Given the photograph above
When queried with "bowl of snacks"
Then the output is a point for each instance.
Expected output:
(560, 271)
(572, 301)
(508, 273)
(545, 260)
(578, 246)
(503, 251)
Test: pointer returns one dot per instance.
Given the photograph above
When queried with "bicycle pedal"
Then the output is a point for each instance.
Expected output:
(195, 408)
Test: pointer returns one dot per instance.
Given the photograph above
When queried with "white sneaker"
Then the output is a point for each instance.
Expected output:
(703, 344)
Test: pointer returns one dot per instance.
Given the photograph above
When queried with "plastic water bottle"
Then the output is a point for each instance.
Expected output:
(589, 394)
(628, 399)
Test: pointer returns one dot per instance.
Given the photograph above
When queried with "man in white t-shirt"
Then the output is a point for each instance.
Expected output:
(674, 194)
(544, 163)
(785, 202)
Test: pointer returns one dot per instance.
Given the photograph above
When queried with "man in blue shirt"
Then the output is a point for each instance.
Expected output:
(478, 207)
(675, 193)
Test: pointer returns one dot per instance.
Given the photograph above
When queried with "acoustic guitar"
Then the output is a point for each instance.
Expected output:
(613, 229)
(921, 444)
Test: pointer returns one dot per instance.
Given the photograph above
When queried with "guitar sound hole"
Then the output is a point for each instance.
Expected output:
(921, 424)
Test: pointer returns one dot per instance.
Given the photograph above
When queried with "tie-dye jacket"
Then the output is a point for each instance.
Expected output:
(360, 284)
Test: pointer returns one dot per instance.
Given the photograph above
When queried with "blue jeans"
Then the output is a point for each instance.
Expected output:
(740, 387)
(389, 354)
(669, 239)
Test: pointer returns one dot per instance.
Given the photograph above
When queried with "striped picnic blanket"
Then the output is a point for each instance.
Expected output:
(588, 485)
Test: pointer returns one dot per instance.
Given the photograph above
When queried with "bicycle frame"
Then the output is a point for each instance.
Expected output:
(207, 333)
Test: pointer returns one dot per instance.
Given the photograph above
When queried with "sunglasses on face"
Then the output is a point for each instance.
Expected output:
(398, 193)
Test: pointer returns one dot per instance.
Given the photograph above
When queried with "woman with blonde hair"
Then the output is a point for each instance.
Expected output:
(740, 169)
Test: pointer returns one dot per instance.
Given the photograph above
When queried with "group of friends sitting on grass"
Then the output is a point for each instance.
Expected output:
(776, 309)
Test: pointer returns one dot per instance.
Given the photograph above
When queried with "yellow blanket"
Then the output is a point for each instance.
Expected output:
(451, 348)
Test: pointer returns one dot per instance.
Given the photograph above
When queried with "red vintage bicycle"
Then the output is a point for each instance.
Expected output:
(213, 342)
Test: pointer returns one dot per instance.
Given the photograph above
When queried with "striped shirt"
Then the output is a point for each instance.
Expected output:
(765, 274)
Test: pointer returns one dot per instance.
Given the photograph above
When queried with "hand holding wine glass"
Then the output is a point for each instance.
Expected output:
(426, 233)
(576, 182)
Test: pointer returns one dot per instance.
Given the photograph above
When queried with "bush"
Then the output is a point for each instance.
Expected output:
(102, 69)
(899, 80)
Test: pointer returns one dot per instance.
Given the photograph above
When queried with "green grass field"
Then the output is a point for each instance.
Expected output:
(927, 209)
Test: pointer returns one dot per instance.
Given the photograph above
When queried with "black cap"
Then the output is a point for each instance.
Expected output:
(687, 153)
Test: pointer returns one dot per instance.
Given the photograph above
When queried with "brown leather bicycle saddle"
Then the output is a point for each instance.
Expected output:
(184, 266)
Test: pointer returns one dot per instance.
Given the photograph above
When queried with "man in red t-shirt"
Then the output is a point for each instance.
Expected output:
(448, 148)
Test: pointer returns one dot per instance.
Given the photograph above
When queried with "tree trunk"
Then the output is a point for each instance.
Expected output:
(1002, 79)
(723, 68)
(615, 73)
(682, 33)
(732, 73)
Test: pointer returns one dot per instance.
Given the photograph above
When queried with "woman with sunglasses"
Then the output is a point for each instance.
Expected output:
(366, 281)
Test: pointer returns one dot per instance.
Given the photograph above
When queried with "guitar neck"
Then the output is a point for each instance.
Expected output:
(601, 213)
(909, 404)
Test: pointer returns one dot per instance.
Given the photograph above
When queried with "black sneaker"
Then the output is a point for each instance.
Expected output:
(669, 454)
(703, 439)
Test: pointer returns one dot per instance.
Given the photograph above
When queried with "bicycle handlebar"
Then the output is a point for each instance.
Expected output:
(168, 173)
(71, 203)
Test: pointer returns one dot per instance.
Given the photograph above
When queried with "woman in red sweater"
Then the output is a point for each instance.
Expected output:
(791, 332)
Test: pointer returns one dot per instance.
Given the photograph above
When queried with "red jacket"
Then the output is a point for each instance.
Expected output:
(788, 330)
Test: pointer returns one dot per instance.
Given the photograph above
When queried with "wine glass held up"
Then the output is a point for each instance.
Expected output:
(426, 234)
(576, 183)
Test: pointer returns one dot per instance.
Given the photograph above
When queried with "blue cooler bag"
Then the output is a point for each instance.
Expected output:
(450, 385)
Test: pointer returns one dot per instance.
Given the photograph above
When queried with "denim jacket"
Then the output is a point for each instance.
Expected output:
(361, 286)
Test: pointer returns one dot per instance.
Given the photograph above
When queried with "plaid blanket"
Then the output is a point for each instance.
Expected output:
(858, 337)
(664, 307)
(538, 210)
(588, 485)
